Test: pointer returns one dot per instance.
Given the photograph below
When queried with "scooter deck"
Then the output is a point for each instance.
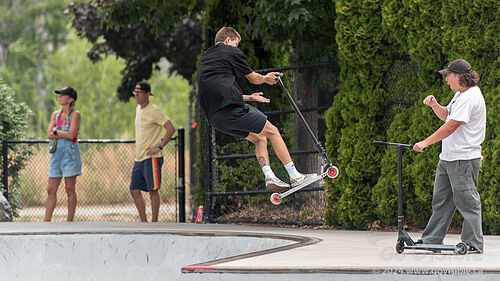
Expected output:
(432, 247)
(330, 171)
(302, 185)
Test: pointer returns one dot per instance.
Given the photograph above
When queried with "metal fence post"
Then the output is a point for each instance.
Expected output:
(5, 174)
(207, 212)
(182, 184)
(207, 132)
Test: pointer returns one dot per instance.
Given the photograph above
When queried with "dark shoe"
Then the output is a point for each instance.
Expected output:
(421, 242)
(474, 250)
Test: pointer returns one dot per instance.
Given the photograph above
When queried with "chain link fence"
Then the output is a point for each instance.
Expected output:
(102, 189)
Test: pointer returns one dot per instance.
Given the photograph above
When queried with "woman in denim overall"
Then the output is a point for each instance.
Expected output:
(66, 161)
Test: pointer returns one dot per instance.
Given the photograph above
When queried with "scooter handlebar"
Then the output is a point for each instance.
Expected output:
(278, 76)
(384, 143)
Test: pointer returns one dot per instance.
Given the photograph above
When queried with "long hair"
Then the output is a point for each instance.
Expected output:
(71, 106)
(470, 79)
(225, 32)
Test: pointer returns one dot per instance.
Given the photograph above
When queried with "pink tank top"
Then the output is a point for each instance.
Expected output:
(59, 123)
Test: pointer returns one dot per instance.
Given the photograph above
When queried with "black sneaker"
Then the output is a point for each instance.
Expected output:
(421, 242)
(473, 250)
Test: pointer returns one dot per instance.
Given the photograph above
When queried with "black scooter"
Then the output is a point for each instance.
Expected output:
(404, 240)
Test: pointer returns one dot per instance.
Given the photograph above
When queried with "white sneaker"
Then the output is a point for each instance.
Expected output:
(276, 184)
(303, 178)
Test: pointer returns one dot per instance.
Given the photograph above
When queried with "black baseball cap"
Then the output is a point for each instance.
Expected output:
(457, 66)
(144, 86)
(68, 91)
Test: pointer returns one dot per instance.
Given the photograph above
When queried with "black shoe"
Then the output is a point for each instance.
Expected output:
(472, 249)
(421, 242)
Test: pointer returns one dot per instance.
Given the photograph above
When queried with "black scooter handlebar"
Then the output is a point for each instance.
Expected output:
(384, 143)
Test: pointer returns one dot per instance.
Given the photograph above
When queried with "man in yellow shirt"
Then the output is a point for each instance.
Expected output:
(146, 174)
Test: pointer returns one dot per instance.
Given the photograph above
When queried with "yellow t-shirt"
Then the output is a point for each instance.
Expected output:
(149, 123)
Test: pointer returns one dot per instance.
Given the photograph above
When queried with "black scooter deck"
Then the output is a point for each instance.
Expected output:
(432, 247)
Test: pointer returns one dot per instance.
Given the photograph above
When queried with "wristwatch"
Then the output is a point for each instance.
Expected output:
(159, 146)
(55, 132)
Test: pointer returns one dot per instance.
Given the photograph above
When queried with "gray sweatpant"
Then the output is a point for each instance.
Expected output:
(455, 186)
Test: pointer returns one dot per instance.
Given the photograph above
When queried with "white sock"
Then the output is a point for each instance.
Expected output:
(267, 171)
(292, 172)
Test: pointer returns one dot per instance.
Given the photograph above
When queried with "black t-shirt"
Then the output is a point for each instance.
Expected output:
(217, 73)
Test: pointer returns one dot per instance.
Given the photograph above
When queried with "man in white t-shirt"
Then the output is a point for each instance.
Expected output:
(455, 185)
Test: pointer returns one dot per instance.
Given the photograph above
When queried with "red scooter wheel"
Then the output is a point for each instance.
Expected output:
(333, 172)
(275, 199)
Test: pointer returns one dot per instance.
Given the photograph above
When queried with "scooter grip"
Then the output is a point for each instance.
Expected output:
(425, 148)
(278, 76)
(380, 143)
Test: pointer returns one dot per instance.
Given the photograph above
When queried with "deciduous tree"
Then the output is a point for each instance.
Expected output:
(141, 32)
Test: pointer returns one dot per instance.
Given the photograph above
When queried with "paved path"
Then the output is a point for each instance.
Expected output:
(306, 254)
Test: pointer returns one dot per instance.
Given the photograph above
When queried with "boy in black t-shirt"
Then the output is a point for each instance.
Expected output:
(223, 102)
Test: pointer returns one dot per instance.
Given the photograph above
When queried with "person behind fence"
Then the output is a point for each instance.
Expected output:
(66, 161)
(223, 102)
(5, 209)
(455, 184)
(146, 173)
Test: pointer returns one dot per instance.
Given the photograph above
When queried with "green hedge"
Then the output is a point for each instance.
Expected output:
(356, 117)
(14, 118)
(370, 34)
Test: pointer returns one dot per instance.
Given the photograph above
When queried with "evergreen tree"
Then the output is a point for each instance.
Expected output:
(14, 118)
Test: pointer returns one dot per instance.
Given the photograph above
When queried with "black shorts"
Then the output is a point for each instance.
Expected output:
(238, 120)
(146, 175)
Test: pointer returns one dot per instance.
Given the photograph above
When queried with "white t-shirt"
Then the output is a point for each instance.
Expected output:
(465, 142)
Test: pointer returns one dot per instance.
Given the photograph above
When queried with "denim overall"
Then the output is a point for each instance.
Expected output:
(66, 161)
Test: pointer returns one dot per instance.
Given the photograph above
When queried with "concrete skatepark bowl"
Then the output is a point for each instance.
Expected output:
(119, 254)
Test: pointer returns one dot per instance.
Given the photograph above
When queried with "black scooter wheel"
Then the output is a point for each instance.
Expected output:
(461, 248)
(400, 246)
